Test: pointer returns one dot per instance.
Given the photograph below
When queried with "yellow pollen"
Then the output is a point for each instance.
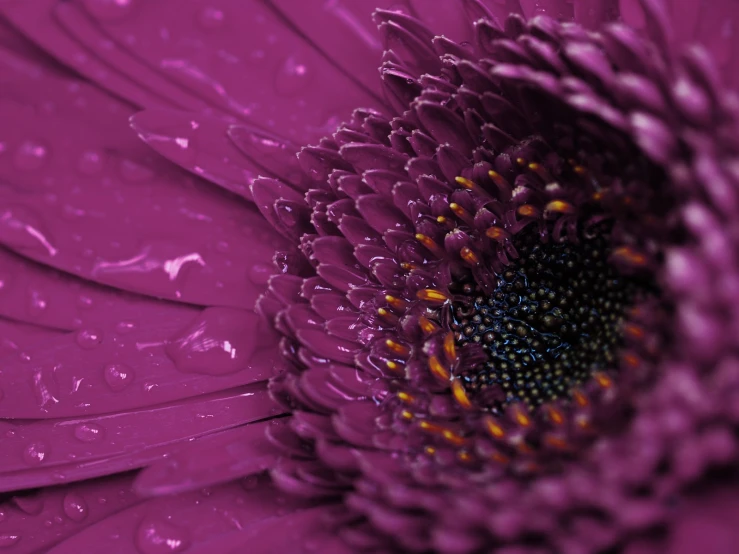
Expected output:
(631, 359)
(405, 397)
(406, 414)
(556, 442)
(521, 161)
(430, 450)
(429, 244)
(460, 395)
(521, 418)
(496, 233)
(408, 266)
(560, 206)
(634, 331)
(394, 302)
(386, 314)
(497, 178)
(426, 325)
(493, 428)
(580, 170)
(527, 210)
(449, 347)
(453, 437)
(397, 347)
(438, 369)
(469, 256)
(432, 295)
(392, 366)
(466, 183)
(441, 219)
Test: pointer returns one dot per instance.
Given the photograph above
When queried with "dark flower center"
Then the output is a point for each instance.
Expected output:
(554, 317)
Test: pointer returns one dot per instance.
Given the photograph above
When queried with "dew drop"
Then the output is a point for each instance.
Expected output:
(36, 303)
(35, 453)
(134, 172)
(31, 155)
(108, 10)
(124, 327)
(90, 162)
(118, 376)
(75, 507)
(87, 339)
(160, 537)
(292, 77)
(259, 274)
(89, 432)
(31, 505)
(211, 18)
(84, 301)
(9, 539)
(219, 342)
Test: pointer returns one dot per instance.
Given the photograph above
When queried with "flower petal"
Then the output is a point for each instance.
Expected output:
(186, 241)
(171, 353)
(72, 508)
(45, 452)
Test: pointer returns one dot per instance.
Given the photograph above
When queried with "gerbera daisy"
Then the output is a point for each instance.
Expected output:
(485, 301)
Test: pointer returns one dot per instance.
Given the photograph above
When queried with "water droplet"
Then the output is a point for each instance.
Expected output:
(124, 327)
(292, 77)
(220, 341)
(31, 505)
(31, 155)
(134, 172)
(36, 303)
(87, 339)
(84, 301)
(75, 507)
(211, 18)
(118, 376)
(3, 515)
(35, 453)
(259, 274)
(160, 537)
(90, 162)
(8, 539)
(108, 10)
(89, 432)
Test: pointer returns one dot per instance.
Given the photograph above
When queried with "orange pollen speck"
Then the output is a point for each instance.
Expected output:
(405, 414)
(398, 348)
(603, 380)
(469, 256)
(496, 233)
(453, 437)
(441, 219)
(560, 206)
(493, 428)
(556, 442)
(497, 178)
(633, 331)
(432, 295)
(450, 348)
(430, 450)
(426, 325)
(464, 456)
(632, 360)
(527, 210)
(580, 398)
(438, 369)
(500, 458)
(555, 416)
(387, 315)
(630, 256)
(580, 170)
(460, 395)
(407, 266)
(521, 418)
(521, 161)
(466, 183)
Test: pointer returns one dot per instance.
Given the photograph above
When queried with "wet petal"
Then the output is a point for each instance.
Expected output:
(47, 452)
(167, 353)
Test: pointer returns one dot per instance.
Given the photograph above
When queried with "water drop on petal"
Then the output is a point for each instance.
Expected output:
(90, 162)
(89, 432)
(211, 18)
(87, 339)
(31, 505)
(8, 539)
(219, 342)
(35, 453)
(75, 507)
(159, 537)
(31, 155)
(292, 78)
(118, 376)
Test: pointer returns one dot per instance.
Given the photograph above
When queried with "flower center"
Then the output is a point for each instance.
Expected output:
(554, 317)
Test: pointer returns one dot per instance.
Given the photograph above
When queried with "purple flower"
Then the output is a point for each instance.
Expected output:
(494, 310)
